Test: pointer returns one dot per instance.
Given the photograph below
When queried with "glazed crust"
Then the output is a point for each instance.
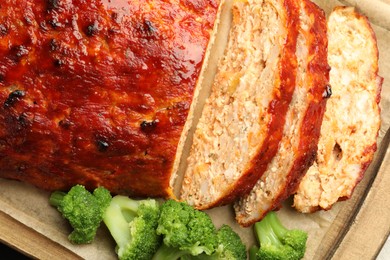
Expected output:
(97, 92)
(298, 146)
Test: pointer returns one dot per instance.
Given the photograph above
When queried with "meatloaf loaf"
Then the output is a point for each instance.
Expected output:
(242, 121)
(298, 146)
(352, 118)
(98, 92)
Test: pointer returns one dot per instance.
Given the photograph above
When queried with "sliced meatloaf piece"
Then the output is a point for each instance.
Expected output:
(242, 121)
(298, 146)
(352, 118)
(98, 92)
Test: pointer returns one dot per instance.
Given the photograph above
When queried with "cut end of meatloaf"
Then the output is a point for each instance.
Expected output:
(201, 92)
(352, 118)
(298, 146)
(242, 121)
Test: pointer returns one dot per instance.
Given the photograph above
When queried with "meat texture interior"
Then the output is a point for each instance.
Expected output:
(352, 120)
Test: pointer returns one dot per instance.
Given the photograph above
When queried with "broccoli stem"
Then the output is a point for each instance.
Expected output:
(125, 203)
(128, 207)
(279, 229)
(117, 223)
(278, 242)
(56, 198)
(270, 230)
(252, 253)
(168, 253)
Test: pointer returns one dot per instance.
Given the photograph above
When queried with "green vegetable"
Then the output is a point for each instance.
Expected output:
(83, 210)
(185, 231)
(278, 242)
(253, 252)
(132, 224)
(230, 247)
(143, 230)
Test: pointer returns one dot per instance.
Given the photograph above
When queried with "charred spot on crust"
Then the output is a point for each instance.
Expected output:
(3, 30)
(65, 123)
(115, 17)
(23, 120)
(328, 91)
(58, 63)
(13, 97)
(147, 29)
(54, 23)
(113, 30)
(149, 126)
(53, 4)
(92, 29)
(18, 52)
(54, 45)
(102, 145)
(21, 167)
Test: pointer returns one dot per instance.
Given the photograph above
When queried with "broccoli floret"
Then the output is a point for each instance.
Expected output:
(230, 247)
(132, 224)
(278, 242)
(83, 210)
(185, 231)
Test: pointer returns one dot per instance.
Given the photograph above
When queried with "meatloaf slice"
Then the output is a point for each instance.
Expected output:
(352, 118)
(98, 92)
(298, 146)
(242, 121)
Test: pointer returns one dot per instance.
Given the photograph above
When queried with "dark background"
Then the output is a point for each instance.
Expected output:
(6, 251)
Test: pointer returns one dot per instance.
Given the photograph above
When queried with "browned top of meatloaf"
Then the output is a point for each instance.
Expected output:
(97, 92)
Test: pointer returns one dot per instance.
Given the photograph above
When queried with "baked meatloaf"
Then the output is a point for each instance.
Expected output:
(98, 92)
(242, 121)
(352, 118)
(298, 146)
